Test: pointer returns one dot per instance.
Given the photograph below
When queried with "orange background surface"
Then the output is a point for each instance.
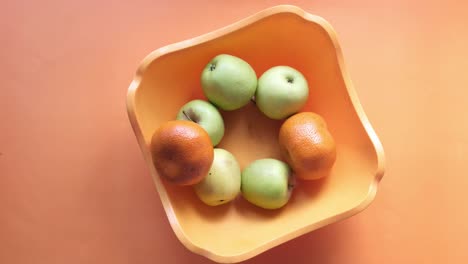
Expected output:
(73, 184)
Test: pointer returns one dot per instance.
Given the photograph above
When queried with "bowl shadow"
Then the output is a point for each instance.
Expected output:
(324, 245)
(308, 189)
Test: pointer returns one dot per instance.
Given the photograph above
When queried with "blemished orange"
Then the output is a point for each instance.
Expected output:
(182, 152)
(307, 145)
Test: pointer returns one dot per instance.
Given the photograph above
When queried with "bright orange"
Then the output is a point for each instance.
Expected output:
(181, 152)
(307, 145)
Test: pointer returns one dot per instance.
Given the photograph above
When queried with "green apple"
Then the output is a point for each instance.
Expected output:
(267, 183)
(206, 115)
(281, 92)
(222, 184)
(228, 82)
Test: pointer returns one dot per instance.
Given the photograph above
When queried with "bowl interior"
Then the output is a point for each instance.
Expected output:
(172, 79)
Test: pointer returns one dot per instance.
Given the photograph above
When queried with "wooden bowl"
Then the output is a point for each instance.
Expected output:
(282, 35)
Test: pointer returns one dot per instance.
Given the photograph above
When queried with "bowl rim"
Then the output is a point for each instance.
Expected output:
(183, 238)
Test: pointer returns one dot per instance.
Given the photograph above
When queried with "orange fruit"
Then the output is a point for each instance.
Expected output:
(182, 152)
(307, 145)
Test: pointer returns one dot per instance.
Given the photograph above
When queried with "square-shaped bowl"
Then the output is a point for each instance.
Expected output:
(169, 77)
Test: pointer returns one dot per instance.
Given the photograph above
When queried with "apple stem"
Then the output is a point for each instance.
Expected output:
(188, 117)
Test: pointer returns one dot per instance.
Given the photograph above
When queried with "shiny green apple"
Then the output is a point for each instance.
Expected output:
(206, 115)
(282, 91)
(228, 82)
(267, 183)
(222, 184)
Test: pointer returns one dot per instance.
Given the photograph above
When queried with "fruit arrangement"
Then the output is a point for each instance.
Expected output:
(184, 150)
